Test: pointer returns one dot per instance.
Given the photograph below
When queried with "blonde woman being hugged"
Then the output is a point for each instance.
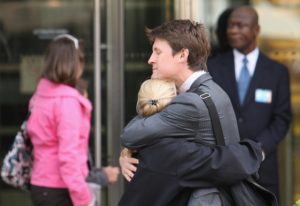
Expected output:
(154, 95)
(59, 127)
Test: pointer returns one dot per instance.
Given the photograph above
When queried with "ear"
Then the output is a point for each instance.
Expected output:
(257, 30)
(183, 55)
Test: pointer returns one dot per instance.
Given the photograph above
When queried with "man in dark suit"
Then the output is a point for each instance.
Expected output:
(171, 164)
(258, 88)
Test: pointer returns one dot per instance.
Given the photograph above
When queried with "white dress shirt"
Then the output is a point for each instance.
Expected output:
(190, 80)
(238, 61)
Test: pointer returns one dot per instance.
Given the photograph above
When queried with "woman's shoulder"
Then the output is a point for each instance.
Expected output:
(187, 103)
(62, 92)
(187, 98)
(77, 98)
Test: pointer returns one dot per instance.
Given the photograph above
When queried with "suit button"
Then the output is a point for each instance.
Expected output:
(241, 120)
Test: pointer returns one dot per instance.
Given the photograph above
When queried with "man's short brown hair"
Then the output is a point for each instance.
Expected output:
(184, 34)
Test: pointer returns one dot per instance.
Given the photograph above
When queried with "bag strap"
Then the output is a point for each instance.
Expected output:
(216, 124)
(212, 110)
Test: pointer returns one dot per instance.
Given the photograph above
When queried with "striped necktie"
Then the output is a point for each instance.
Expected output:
(243, 81)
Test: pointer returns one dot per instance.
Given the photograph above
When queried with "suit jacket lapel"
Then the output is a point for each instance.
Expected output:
(229, 77)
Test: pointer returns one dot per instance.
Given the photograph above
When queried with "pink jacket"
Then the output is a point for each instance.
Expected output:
(59, 127)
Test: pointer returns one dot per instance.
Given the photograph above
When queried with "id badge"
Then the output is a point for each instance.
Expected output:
(263, 96)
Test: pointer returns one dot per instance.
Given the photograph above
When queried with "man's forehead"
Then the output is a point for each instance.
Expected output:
(242, 14)
(158, 43)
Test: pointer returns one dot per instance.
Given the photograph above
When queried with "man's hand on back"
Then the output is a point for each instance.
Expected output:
(128, 164)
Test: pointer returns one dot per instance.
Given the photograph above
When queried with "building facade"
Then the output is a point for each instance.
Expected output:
(117, 51)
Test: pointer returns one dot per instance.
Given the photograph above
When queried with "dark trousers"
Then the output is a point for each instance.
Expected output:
(45, 196)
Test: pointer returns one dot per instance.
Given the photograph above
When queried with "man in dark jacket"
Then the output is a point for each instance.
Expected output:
(260, 96)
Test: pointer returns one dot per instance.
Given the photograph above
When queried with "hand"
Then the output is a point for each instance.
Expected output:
(112, 173)
(127, 164)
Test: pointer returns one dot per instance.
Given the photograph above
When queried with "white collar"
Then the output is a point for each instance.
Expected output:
(190, 80)
(238, 61)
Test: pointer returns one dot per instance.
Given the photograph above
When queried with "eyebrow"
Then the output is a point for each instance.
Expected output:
(156, 49)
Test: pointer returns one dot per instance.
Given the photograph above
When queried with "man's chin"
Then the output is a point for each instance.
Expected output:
(154, 76)
(157, 76)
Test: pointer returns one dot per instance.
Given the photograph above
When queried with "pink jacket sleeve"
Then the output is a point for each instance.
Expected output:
(69, 118)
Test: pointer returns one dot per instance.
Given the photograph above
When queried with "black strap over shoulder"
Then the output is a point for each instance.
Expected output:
(247, 191)
(215, 120)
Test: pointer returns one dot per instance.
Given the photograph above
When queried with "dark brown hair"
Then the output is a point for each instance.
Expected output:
(82, 86)
(64, 62)
(184, 34)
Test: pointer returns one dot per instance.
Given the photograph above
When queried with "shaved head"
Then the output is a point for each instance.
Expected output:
(243, 28)
(248, 11)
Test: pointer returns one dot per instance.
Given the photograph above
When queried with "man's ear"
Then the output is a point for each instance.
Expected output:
(183, 55)
(257, 30)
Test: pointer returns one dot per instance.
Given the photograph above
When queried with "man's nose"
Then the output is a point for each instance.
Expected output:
(232, 29)
(150, 60)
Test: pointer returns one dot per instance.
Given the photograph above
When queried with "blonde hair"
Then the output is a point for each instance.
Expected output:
(154, 95)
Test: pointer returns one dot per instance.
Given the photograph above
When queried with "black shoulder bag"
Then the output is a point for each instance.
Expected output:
(247, 192)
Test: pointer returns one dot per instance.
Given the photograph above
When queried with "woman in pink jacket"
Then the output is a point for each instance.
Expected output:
(59, 127)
